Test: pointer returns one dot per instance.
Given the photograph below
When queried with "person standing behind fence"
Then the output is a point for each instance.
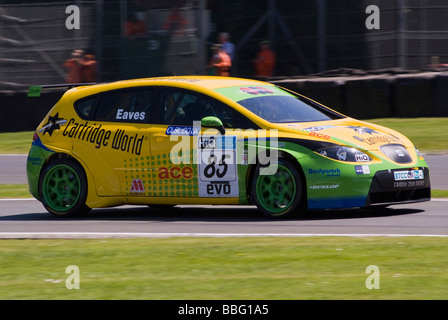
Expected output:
(265, 62)
(89, 68)
(229, 47)
(74, 67)
(220, 62)
(175, 22)
(135, 27)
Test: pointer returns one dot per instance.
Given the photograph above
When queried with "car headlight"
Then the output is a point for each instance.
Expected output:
(342, 153)
(419, 154)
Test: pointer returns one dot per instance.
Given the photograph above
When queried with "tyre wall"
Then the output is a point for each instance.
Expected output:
(377, 96)
(18, 112)
(381, 96)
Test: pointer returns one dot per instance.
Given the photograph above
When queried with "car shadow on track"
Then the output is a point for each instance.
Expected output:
(212, 213)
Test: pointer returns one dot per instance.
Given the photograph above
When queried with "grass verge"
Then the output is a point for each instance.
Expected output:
(427, 134)
(14, 191)
(15, 142)
(226, 268)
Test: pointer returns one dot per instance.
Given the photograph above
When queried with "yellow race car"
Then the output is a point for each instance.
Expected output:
(215, 140)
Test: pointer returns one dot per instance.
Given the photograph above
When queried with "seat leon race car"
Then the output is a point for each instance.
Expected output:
(215, 140)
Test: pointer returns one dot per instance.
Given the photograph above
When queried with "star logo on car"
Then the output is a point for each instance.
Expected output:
(52, 124)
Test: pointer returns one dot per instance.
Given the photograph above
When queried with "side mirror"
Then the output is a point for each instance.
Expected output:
(213, 122)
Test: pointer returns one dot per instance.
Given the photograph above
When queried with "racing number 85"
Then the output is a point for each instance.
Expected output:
(210, 170)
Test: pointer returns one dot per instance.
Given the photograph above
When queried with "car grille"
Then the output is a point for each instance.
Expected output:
(400, 196)
(397, 153)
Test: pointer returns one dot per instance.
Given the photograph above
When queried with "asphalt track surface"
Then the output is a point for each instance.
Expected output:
(28, 219)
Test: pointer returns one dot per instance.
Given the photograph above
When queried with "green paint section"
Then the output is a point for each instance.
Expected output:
(246, 92)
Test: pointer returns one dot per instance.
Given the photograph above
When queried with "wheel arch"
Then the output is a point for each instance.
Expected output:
(88, 175)
(281, 154)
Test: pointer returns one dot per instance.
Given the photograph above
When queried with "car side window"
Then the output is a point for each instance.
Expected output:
(128, 105)
(84, 107)
(182, 107)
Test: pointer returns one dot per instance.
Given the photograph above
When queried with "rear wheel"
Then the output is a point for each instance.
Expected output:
(63, 188)
(279, 195)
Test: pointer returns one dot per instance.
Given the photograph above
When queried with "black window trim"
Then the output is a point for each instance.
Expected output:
(94, 104)
(97, 96)
(156, 119)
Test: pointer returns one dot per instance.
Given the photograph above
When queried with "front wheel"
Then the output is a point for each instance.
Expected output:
(63, 188)
(279, 195)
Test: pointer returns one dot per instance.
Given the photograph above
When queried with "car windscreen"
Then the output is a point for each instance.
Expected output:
(279, 106)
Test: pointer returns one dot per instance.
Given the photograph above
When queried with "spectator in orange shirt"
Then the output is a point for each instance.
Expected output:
(74, 67)
(175, 22)
(89, 68)
(135, 27)
(220, 62)
(265, 61)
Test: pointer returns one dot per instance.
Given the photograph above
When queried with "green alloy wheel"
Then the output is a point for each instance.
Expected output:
(63, 188)
(278, 195)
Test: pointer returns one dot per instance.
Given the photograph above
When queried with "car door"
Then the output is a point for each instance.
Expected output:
(115, 140)
(189, 161)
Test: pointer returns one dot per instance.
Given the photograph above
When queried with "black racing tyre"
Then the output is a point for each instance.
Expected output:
(63, 188)
(161, 206)
(279, 195)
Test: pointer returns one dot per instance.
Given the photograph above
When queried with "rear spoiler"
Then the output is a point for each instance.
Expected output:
(35, 91)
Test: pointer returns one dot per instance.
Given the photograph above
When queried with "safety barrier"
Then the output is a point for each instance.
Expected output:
(365, 97)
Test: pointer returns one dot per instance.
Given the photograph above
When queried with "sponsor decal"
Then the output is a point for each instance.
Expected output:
(363, 130)
(182, 131)
(361, 157)
(175, 173)
(318, 128)
(53, 123)
(324, 187)
(130, 115)
(217, 168)
(326, 172)
(244, 159)
(137, 186)
(319, 135)
(256, 90)
(408, 175)
(377, 139)
(35, 161)
(314, 129)
(362, 169)
(95, 134)
(409, 184)
(121, 141)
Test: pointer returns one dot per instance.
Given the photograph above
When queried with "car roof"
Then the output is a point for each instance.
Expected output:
(201, 83)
